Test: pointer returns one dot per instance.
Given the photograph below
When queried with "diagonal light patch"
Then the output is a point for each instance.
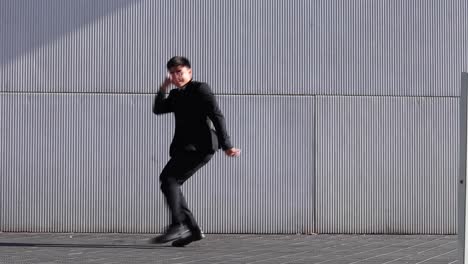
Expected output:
(91, 58)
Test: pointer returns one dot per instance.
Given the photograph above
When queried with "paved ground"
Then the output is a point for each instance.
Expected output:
(271, 249)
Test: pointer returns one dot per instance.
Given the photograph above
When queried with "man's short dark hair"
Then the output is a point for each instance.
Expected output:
(178, 61)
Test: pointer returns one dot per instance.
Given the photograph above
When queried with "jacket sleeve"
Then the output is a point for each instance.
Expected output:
(216, 116)
(162, 104)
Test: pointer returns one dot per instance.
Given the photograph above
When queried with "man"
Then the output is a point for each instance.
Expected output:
(199, 132)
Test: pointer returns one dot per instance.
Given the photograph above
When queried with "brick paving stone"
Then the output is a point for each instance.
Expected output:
(272, 249)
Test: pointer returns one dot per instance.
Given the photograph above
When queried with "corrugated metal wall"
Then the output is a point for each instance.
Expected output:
(81, 150)
(387, 165)
(91, 163)
(359, 47)
(270, 189)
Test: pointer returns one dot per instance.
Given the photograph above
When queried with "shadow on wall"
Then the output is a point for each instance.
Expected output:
(29, 24)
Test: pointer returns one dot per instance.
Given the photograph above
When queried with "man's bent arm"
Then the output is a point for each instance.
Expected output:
(216, 116)
(162, 104)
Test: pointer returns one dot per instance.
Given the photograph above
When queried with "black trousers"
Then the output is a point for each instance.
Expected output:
(180, 168)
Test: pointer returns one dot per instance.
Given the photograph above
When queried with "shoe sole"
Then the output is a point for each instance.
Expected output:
(185, 241)
(179, 237)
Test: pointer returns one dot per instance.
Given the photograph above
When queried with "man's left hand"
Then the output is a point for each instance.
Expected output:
(233, 152)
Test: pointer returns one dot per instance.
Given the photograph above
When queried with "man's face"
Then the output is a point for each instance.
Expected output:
(180, 75)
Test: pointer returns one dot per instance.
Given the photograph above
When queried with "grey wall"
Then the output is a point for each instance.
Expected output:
(91, 163)
(361, 47)
(386, 164)
(461, 192)
(346, 112)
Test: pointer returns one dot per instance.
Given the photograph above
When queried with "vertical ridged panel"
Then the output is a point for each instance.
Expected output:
(91, 163)
(462, 169)
(81, 163)
(360, 47)
(386, 165)
(270, 188)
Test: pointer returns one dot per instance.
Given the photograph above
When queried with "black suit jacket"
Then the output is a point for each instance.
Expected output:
(199, 123)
